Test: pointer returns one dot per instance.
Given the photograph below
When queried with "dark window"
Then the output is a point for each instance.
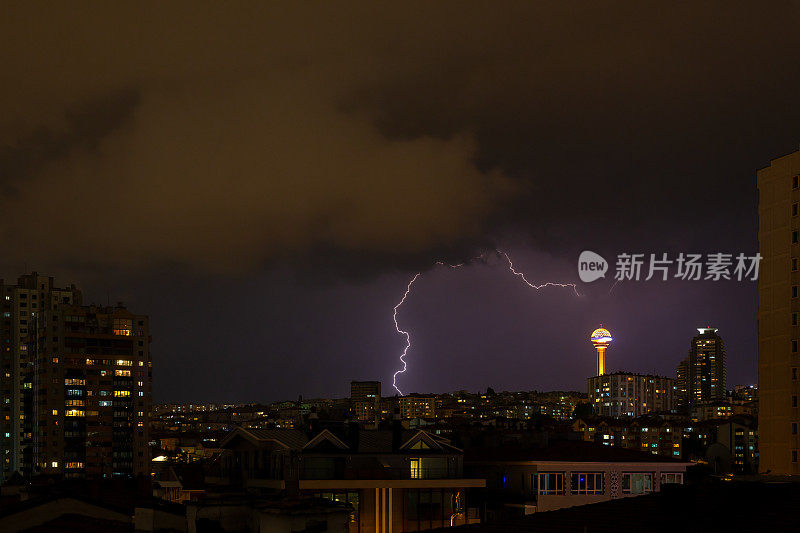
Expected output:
(794, 346)
(794, 291)
(794, 237)
(794, 264)
(796, 182)
(794, 428)
(794, 401)
(794, 209)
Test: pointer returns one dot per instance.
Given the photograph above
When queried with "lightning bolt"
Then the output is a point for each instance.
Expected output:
(407, 335)
(402, 332)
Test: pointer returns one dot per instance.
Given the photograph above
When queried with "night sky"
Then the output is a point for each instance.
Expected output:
(264, 181)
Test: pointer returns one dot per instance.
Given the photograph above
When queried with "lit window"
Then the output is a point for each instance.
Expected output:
(54, 464)
(638, 483)
(416, 468)
(551, 483)
(123, 326)
(121, 393)
(587, 483)
(55, 412)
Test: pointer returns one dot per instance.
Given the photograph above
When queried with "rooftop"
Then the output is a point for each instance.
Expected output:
(712, 507)
(564, 451)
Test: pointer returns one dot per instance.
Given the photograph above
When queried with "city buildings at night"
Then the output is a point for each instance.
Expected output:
(394, 480)
(413, 406)
(701, 377)
(365, 400)
(778, 308)
(77, 378)
(629, 394)
(31, 337)
(370, 242)
(651, 434)
(567, 473)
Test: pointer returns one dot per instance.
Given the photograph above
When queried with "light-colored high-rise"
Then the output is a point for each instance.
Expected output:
(778, 307)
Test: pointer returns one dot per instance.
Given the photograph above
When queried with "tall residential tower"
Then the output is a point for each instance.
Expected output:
(778, 308)
(702, 375)
(75, 384)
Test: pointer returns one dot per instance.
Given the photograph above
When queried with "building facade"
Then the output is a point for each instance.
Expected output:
(417, 406)
(778, 308)
(365, 400)
(395, 480)
(78, 383)
(627, 394)
(703, 372)
(565, 474)
(646, 434)
(27, 306)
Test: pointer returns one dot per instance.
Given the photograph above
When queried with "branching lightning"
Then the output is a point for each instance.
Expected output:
(407, 335)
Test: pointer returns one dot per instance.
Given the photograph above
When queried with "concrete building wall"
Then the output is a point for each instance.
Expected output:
(518, 478)
(777, 320)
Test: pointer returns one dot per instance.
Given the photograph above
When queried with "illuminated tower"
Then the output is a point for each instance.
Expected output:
(601, 338)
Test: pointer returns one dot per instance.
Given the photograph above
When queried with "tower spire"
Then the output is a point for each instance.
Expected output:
(601, 338)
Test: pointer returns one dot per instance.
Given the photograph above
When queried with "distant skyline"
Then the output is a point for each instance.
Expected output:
(266, 196)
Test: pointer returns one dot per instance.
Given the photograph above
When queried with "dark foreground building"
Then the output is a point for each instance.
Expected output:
(395, 480)
(714, 506)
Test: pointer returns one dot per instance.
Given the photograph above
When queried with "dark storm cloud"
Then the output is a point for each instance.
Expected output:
(253, 132)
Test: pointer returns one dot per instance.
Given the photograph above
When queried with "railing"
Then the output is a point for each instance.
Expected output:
(379, 473)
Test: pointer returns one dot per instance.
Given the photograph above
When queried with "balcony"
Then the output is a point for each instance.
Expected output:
(379, 473)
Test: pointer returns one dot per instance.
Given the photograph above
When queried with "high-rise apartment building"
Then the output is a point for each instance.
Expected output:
(627, 394)
(365, 400)
(702, 375)
(778, 308)
(76, 384)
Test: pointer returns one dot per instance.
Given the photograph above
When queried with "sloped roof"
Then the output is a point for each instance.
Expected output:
(369, 441)
(291, 438)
